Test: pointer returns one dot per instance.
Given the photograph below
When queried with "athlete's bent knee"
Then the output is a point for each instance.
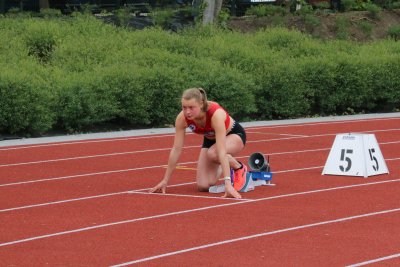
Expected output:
(202, 187)
(213, 155)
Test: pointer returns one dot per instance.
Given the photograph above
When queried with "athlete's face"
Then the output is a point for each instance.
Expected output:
(191, 108)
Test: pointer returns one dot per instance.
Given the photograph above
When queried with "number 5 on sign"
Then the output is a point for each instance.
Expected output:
(355, 155)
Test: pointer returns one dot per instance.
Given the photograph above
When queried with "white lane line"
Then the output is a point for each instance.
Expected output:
(84, 198)
(91, 156)
(318, 167)
(263, 234)
(375, 260)
(318, 135)
(183, 195)
(80, 175)
(189, 211)
(321, 123)
(110, 154)
(295, 135)
(115, 223)
(150, 167)
(163, 166)
(168, 135)
(300, 169)
(88, 141)
(138, 191)
(162, 149)
(115, 171)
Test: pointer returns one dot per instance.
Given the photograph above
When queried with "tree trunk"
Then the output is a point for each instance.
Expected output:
(44, 4)
(217, 9)
(208, 15)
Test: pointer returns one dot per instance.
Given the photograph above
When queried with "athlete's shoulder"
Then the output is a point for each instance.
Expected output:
(180, 121)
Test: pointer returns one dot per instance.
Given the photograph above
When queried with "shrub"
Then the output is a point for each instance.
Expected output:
(282, 93)
(162, 18)
(123, 15)
(312, 21)
(84, 101)
(395, 5)
(342, 25)
(373, 10)
(26, 101)
(394, 32)
(348, 5)
(97, 74)
(41, 45)
(50, 13)
(366, 27)
(265, 10)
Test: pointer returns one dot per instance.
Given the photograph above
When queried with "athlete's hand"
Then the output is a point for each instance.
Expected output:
(231, 192)
(160, 188)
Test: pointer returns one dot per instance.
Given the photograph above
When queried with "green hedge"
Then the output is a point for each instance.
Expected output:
(26, 100)
(75, 73)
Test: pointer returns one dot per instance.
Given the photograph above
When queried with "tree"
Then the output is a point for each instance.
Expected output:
(211, 11)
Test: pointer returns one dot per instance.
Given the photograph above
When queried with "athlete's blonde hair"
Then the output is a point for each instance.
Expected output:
(197, 93)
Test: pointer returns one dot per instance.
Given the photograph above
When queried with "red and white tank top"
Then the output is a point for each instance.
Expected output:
(207, 130)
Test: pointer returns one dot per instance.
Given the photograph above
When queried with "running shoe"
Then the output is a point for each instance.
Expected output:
(239, 178)
(215, 189)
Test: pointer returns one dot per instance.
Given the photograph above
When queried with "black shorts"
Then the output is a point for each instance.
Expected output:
(236, 129)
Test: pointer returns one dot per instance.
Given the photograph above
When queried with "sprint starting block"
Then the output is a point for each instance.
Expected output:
(259, 175)
(260, 170)
(260, 178)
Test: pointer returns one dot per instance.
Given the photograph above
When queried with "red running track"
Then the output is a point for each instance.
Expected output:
(68, 204)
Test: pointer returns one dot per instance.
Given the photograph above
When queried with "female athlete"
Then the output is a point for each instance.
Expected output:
(223, 138)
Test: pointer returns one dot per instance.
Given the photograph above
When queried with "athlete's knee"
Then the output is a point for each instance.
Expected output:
(212, 155)
(202, 187)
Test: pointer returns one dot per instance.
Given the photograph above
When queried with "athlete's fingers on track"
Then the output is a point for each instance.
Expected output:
(158, 189)
(227, 195)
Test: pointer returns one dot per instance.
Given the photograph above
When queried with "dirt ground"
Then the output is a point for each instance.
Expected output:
(356, 25)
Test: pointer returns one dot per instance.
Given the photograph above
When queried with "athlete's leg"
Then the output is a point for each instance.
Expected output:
(207, 171)
(234, 145)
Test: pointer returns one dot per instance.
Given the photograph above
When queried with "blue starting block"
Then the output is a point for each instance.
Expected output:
(260, 171)
(255, 175)
(260, 178)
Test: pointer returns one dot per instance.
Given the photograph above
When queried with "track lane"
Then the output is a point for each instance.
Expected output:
(54, 190)
(331, 244)
(120, 243)
(180, 188)
(45, 170)
(106, 146)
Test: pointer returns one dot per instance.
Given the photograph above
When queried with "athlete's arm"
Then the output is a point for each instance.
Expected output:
(218, 124)
(180, 130)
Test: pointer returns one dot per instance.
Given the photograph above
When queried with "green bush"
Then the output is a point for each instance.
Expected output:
(84, 100)
(366, 27)
(385, 83)
(232, 88)
(395, 5)
(26, 100)
(282, 94)
(373, 10)
(348, 5)
(342, 28)
(394, 32)
(41, 45)
(265, 10)
(95, 74)
(162, 18)
(312, 21)
(50, 13)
